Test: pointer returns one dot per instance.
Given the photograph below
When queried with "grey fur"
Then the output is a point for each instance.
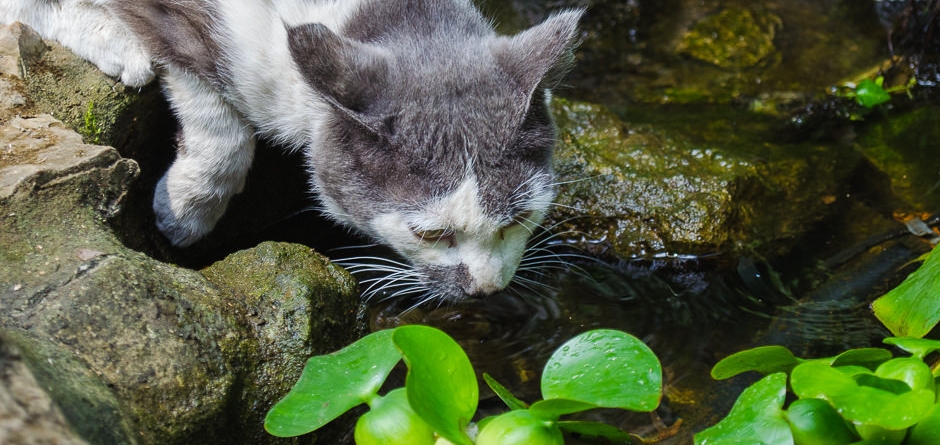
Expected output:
(423, 93)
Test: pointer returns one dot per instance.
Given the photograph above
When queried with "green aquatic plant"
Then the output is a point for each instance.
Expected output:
(862, 396)
(870, 93)
(597, 369)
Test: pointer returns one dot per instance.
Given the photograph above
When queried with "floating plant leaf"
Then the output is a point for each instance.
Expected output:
(910, 370)
(816, 422)
(867, 357)
(441, 384)
(757, 417)
(927, 432)
(864, 399)
(613, 434)
(391, 421)
(763, 359)
(332, 384)
(606, 368)
(552, 409)
(918, 347)
(510, 400)
(869, 93)
(913, 308)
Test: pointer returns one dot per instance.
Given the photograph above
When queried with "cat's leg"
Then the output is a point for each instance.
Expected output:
(215, 151)
(88, 29)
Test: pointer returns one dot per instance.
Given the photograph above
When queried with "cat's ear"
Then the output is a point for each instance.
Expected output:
(539, 57)
(348, 73)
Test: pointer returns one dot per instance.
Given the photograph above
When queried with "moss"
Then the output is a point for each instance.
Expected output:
(733, 38)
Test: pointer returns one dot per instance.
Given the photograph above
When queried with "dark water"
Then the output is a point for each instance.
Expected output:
(692, 310)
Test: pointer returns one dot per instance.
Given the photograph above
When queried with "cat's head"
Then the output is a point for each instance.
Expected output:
(439, 141)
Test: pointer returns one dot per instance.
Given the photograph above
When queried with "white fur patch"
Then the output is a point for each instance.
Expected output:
(490, 249)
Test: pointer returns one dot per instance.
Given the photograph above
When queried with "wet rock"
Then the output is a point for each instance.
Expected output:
(28, 414)
(129, 349)
(734, 38)
(639, 190)
(901, 145)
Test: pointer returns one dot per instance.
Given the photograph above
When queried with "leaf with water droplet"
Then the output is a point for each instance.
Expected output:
(333, 384)
(441, 384)
(582, 371)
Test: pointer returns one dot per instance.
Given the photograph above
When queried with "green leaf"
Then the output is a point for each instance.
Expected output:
(552, 409)
(866, 401)
(764, 359)
(868, 357)
(510, 400)
(519, 427)
(869, 93)
(756, 417)
(391, 421)
(918, 347)
(607, 368)
(910, 370)
(441, 384)
(913, 308)
(816, 422)
(927, 432)
(333, 384)
(613, 434)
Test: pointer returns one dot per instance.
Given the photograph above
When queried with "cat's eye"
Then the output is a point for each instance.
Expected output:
(435, 235)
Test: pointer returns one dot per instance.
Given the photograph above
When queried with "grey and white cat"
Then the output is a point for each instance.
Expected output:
(422, 127)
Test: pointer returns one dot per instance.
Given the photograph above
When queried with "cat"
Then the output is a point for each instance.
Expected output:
(421, 126)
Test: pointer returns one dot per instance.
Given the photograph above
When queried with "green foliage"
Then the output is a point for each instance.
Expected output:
(597, 369)
(870, 93)
(913, 308)
(862, 396)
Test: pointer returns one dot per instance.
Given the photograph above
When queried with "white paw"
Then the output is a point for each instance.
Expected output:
(182, 217)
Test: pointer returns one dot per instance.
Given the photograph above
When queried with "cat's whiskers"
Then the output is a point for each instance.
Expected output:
(397, 277)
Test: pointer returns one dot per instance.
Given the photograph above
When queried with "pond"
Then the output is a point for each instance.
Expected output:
(803, 281)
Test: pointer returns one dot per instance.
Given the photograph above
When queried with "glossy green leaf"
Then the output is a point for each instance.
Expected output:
(757, 417)
(607, 368)
(510, 400)
(391, 421)
(332, 384)
(441, 384)
(552, 409)
(913, 308)
(867, 357)
(862, 399)
(763, 359)
(910, 370)
(816, 422)
(613, 435)
(519, 427)
(918, 347)
(868, 94)
(927, 431)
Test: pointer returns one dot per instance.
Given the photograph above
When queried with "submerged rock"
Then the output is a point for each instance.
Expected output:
(734, 38)
(640, 190)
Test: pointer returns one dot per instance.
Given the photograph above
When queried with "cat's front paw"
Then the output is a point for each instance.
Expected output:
(181, 219)
(137, 71)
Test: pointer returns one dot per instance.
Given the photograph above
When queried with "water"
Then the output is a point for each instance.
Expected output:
(810, 293)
